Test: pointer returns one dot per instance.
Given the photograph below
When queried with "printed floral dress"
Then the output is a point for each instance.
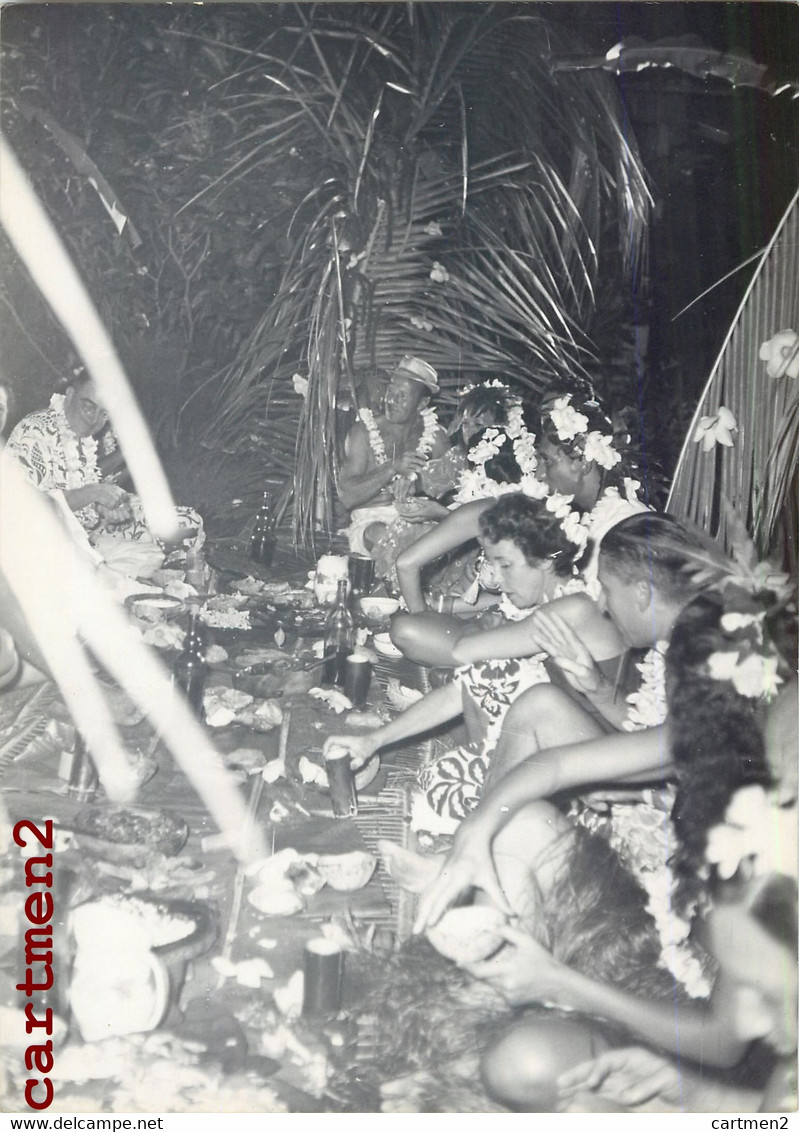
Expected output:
(55, 459)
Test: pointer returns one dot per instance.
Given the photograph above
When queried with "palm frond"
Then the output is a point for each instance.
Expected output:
(758, 474)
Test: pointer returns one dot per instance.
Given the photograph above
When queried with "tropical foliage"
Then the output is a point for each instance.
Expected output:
(755, 471)
(258, 191)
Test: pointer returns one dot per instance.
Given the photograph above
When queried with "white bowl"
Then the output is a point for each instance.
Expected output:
(379, 606)
(385, 646)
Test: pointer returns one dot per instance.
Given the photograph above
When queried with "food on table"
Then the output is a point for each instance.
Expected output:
(223, 613)
(347, 872)
(215, 654)
(224, 706)
(332, 697)
(221, 704)
(305, 876)
(379, 608)
(247, 972)
(274, 770)
(400, 695)
(245, 758)
(265, 717)
(467, 935)
(312, 772)
(165, 635)
(251, 657)
(120, 826)
(274, 900)
(288, 998)
(153, 607)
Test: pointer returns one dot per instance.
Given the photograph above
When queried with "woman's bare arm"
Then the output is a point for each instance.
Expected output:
(460, 526)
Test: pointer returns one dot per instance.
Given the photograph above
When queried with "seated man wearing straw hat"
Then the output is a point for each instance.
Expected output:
(382, 448)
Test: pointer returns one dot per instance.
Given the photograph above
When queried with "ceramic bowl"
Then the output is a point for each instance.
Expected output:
(153, 608)
(379, 607)
(384, 645)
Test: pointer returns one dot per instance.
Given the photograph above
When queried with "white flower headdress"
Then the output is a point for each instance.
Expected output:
(571, 427)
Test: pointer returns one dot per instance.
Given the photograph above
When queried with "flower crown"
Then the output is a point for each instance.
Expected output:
(494, 383)
(476, 484)
(572, 426)
(750, 661)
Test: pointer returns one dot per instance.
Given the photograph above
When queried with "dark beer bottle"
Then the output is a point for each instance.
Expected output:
(262, 544)
(190, 668)
(339, 637)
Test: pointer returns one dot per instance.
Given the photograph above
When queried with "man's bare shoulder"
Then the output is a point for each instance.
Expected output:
(357, 440)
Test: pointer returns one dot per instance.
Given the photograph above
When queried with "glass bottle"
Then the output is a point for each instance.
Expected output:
(339, 637)
(262, 543)
(190, 669)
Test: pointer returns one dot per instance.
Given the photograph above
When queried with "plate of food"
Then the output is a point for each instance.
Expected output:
(129, 833)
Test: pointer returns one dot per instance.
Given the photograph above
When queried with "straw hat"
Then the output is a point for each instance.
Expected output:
(418, 370)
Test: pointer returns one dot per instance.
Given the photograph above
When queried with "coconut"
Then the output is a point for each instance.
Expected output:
(347, 871)
(469, 934)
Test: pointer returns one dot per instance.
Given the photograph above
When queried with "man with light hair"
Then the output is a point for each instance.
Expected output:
(384, 448)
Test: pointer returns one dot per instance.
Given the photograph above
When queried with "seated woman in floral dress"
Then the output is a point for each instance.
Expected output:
(60, 455)
(533, 559)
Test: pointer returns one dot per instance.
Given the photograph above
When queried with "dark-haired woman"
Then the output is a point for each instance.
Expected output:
(532, 560)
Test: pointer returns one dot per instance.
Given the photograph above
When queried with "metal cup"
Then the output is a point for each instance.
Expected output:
(357, 676)
(341, 783)
(323, 969)
(361, 570)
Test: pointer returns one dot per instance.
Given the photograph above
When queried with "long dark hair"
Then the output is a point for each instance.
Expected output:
(716, 733)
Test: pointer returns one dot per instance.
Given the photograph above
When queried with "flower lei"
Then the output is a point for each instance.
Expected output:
(648, 704)
(475, 483)
(426, 440)
(78, 454)
(571, 425)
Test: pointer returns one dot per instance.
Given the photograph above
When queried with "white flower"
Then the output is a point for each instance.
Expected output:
(488, 447)
(754, 677)
(732, 622)
(631, 489)
(781, 354)
(439, 273)
(421, 323)
(757, 830)
(573, 529)
(524, 451)
(559, 505)
(515, 426)
(300, 384)
(433, 228)
(568, 422)
(600, 450)
(533, 487)
(717, 429)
